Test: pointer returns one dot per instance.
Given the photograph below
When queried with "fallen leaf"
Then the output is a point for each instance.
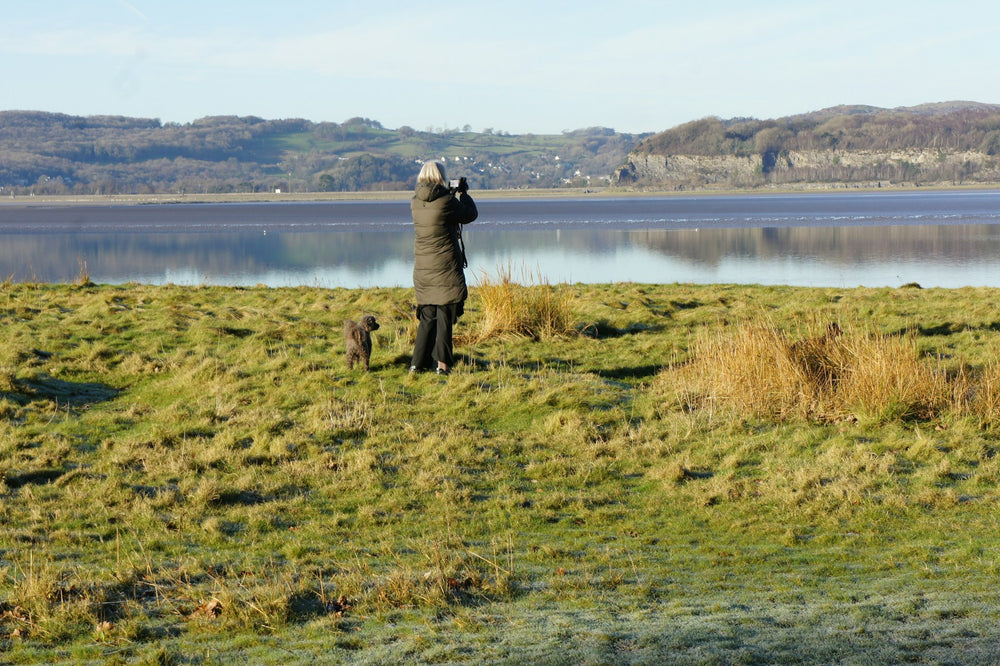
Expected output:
(212, 609)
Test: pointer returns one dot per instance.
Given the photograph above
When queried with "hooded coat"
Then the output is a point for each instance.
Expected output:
(438, 259)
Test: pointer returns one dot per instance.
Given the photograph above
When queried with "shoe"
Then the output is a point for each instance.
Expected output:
(443, 371)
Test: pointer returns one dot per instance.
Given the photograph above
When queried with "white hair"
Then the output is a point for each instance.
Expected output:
(432, 173)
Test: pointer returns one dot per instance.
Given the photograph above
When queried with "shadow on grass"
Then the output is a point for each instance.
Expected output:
(63, 393)
(638, 372)
(628, 373)
(239, 498)
(601, 330)
(948, 328)
(35, 477)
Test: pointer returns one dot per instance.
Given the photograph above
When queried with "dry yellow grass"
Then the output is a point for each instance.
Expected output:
(759, 370)
(887, 376)
(513, 309)
(985, 394)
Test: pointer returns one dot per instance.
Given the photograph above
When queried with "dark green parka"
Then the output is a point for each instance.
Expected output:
(438, 271)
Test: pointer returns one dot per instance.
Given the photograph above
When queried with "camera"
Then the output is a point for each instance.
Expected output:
(460, 185)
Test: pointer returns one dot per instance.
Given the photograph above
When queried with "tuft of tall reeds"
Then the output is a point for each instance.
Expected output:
(83, 276)
(510, 308)
(887, 377)
(985, 394)
(759, 370)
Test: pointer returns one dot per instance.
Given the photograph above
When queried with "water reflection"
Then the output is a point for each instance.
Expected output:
(937, 255)
(936, 239)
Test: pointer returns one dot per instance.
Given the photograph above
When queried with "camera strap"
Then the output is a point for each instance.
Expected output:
(461, 245)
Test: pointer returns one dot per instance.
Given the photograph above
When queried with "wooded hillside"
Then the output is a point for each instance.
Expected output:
(49, 153)
(948, 142)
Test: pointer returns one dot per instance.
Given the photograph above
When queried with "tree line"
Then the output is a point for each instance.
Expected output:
(51, 153)
(949, 126)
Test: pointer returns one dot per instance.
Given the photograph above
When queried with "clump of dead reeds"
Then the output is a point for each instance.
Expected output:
(760, 370)
(510, 308)
(888, 377)
(985, 394)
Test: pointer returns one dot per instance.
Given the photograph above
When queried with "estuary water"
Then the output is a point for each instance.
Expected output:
(933, 238)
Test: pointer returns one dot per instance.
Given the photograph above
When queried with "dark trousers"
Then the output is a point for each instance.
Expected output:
(434, 334)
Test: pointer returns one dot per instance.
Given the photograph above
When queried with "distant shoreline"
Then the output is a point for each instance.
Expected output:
(403, 195)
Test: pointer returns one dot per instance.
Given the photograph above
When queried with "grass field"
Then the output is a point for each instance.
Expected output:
(645, 474)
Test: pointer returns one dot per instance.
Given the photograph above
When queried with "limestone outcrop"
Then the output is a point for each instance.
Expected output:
(919, 166)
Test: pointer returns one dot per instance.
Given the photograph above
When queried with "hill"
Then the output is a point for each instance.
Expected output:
(949, 142)
(50, 153)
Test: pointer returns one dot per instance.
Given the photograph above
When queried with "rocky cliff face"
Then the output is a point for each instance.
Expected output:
(649, 169)
(815, 166)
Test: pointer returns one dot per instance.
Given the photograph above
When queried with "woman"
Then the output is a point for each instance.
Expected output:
(439, 264)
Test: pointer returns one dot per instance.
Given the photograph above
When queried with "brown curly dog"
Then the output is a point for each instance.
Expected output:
(358, 339)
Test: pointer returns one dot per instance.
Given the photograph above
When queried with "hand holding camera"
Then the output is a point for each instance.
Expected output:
(460, 185)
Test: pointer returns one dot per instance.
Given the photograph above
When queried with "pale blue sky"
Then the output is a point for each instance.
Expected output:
(517, 66)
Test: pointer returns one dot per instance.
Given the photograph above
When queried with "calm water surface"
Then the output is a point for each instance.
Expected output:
(946, 239)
